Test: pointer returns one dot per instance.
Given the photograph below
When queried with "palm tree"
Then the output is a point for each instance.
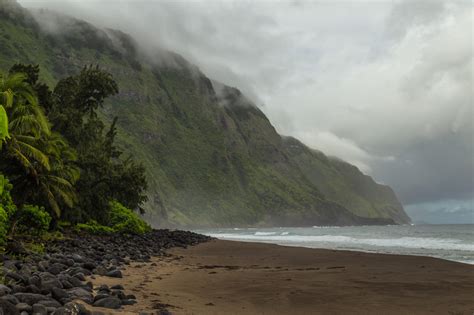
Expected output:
(44, 170)
(6, 100)
(54, 185)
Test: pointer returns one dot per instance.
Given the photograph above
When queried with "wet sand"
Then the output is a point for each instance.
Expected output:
(225, 277)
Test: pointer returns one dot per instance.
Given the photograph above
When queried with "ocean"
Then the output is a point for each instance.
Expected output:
(451, 242)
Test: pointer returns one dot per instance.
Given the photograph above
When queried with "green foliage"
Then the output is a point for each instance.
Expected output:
(3, 126)
(32, 220)
(94, 228)
(7, 208)
(124, 220)
(38, 162)
(121, 220)
(104, 175)
(35, 247)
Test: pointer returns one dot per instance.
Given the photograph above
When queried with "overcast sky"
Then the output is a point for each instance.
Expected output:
(385, 85)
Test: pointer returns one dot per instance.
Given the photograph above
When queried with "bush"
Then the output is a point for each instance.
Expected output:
(124, 220)
(94, 228)
(33, 220)
(7, 208)
(121, 220)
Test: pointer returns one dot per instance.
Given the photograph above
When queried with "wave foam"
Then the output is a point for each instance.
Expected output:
(404, 242)
(264, 233)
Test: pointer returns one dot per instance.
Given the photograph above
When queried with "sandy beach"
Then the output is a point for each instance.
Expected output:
(225, 277)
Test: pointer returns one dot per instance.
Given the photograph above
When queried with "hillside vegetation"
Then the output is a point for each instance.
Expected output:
(212, 158)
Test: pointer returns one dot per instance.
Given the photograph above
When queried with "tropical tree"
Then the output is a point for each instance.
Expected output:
(24, 119)
(6, 100)
(53, 186)
(37, 161)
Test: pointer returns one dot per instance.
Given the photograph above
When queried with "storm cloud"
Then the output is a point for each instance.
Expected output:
(385, 85)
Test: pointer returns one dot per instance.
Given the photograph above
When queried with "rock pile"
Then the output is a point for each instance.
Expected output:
(49, 283)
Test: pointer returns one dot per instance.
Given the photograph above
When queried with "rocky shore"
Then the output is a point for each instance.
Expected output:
(55, 282)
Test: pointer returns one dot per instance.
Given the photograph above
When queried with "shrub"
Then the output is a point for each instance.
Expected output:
(94, 228)
(33, 220)
(7, 208)
(121, 220)
(124, 220)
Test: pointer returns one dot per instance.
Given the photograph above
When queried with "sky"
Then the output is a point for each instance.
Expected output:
(385, 85)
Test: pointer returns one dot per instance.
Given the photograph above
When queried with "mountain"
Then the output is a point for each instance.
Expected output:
(213, 157)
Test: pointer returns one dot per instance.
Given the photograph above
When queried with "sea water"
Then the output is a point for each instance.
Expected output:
(451, 242)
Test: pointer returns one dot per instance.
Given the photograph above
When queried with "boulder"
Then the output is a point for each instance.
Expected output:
(23, 307)
(114, 274)
(39, 309)
(7, 308)
(4, 290)
(81, 294)
(109, 302)
(30, 298)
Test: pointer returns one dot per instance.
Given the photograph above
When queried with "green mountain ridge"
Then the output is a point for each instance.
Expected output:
(213, 158)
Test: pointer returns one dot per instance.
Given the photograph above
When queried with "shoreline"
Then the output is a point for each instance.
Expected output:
(230, 277)
(352, 250)
(441, 242)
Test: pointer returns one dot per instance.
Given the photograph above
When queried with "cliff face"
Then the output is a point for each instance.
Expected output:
(346, 184)
(213, 158)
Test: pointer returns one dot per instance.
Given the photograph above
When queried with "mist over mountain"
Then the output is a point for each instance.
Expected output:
(213, 156)
(384, 85)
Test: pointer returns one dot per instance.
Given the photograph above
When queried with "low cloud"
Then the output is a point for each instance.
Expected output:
(386, 85)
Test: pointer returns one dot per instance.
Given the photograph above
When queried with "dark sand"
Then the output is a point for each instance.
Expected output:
(224, 277)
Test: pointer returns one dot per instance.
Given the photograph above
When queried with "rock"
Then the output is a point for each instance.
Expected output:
(77, 308)
(100, 297)
(62, 311)
(4, 290)
(80, 276)
(32, 289)
(10, 265)
(103, 287)
(117, 287)
(59, 293)
(10, 298)
(69, 262)
(118, 294)
(56, 268)
(109, 302)
(7, 308)
(50, 310)
(30, 298)
(39, 309)
(50, 303)
(23, 307)
(114, 274)
(77, 258)
(43, 265)
(35, 280)
(89, 265)
(101, 271)
(16, 288)
(14, 277)
(49, 281)
(128, 302)
(81, 294)
(66, 284)
(75, 282)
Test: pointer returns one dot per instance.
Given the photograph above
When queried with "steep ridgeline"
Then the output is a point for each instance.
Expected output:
(213, 158)
(346, 184)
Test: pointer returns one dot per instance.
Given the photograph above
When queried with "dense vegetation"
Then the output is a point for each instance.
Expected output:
(212, 157)
(58, 161)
